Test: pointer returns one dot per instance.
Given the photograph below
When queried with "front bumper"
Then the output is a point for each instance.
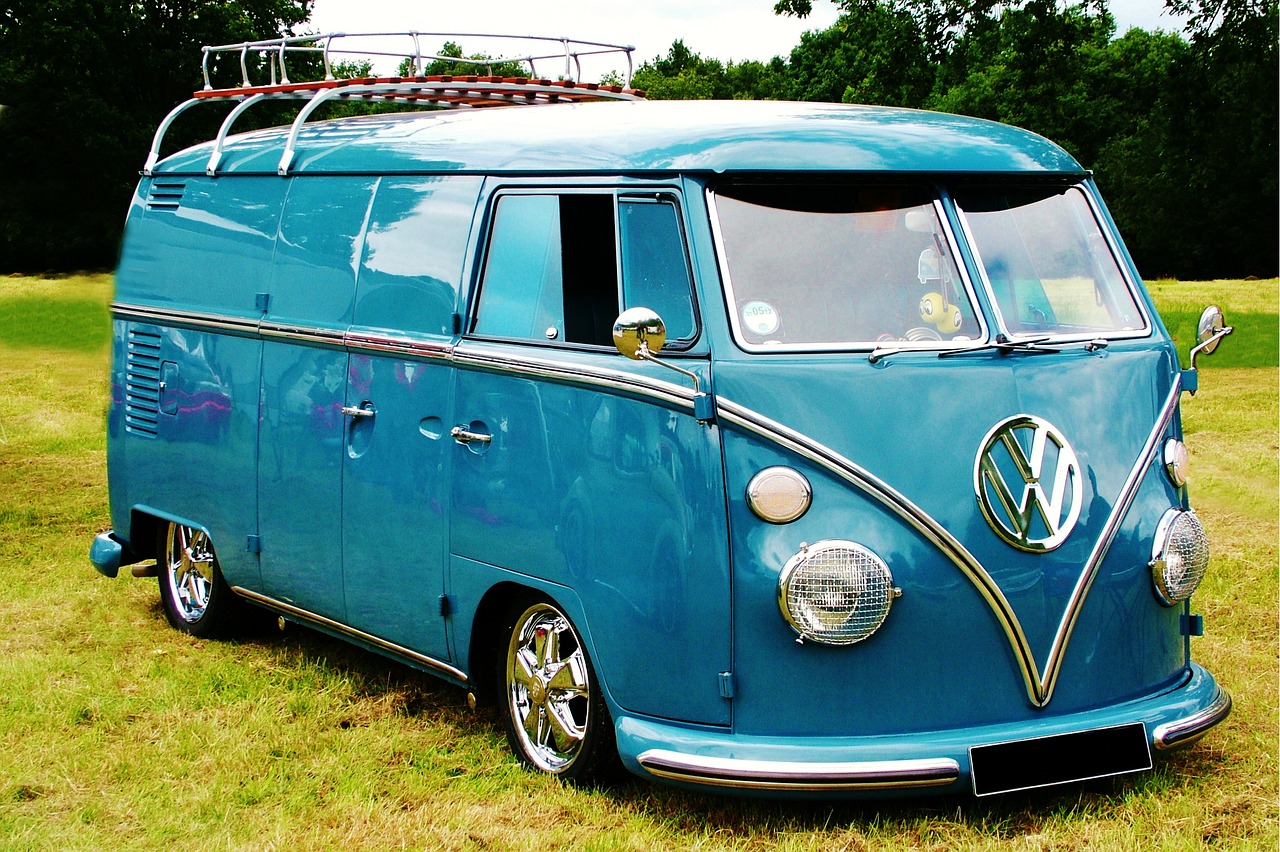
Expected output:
(935, 762)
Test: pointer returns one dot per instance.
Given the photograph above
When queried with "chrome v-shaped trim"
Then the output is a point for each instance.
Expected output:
(1039, 686)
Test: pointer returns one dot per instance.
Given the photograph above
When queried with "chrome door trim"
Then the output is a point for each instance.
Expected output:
(351, 632)
(796, 775)
(467, 355)
(385, 344)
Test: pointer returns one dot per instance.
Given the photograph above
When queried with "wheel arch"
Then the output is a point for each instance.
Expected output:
(487, 639)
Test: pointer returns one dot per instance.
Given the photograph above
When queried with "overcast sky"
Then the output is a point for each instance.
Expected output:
(722, 29)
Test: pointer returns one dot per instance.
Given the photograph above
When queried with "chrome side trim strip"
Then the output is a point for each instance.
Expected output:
(359, 635)
(617, 380)
(1128, 492)
(161, 316)
(1039, 688)
(380, 344)
(302, 334)
(791, 775)
(1188, 730)
(356, 341)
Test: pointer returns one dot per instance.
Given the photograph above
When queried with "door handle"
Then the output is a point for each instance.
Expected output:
(356, 411)
(466, 436)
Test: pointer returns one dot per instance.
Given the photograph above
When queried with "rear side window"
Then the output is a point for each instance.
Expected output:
(561, 267)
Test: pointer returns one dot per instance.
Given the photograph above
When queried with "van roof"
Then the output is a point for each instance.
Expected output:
(645, 136)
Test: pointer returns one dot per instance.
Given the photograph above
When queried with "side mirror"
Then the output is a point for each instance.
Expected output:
(1210, 333)
(639, 332)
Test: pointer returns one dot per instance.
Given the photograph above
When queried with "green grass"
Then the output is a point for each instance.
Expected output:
(116, 732)
(1250, 307)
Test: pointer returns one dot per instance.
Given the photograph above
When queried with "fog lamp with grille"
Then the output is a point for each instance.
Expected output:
(835, 592)
(1179, 556)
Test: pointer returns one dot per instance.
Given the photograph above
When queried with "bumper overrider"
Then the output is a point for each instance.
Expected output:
(1099, 743)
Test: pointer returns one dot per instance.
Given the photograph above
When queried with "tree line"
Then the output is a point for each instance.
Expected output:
(1180, 129)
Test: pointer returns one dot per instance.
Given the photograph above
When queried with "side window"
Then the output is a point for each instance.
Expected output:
(655, 271)
(551, 272)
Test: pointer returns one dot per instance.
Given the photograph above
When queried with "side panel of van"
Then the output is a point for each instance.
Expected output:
(394, 488)
(197, 255)
(304, 379)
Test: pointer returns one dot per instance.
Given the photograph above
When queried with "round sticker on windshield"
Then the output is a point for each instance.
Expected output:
(760, 318)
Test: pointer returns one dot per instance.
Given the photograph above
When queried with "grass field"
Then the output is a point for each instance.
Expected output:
(117, 732)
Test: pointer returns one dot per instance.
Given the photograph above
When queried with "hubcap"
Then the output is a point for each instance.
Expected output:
(548, 688)
(189, 558)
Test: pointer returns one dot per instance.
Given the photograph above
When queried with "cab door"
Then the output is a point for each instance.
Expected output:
(564, 474)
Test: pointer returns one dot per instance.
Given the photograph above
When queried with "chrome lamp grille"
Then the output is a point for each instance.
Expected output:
(835, 592)
(1179, 556)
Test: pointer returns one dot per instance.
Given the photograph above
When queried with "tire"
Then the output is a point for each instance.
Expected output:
(197, 600)
(555, 718)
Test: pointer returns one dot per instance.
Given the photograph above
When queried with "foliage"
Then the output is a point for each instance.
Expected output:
(477, 65)
(119, 733)
(1181, 133)
(86, 83)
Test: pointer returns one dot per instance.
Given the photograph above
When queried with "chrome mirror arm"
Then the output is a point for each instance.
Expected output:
(1209, 345)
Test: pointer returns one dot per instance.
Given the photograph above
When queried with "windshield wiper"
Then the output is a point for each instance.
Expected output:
(1006, 346)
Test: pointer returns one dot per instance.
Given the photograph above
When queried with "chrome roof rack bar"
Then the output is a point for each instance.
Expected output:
(435, 91)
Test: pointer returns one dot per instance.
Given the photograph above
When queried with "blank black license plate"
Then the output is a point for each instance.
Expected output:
(1060, 759)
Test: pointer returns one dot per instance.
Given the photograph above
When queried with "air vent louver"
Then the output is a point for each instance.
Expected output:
(142, 383)
(166, 195)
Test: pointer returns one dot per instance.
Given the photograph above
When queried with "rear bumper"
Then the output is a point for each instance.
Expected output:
(935, 762)
(108, 553)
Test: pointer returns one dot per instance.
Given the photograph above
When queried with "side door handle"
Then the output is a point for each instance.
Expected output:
(356, 411)
(465, 436)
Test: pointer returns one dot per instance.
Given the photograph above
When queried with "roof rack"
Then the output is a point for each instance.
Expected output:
(433, 91)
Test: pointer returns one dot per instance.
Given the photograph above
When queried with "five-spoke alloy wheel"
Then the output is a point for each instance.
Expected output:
(554, 715)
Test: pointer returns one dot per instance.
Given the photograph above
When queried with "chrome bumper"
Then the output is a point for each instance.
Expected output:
(1186, 731)
(788, 775)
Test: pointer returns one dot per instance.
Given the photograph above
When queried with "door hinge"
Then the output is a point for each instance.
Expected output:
(446, 608)
(726, 684)
(254, 544)
(1191, 625)
(262, 301)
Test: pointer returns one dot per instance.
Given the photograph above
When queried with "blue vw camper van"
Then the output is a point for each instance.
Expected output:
(765, 447)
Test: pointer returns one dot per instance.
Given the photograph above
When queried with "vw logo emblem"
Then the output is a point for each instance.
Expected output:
(1028, 483)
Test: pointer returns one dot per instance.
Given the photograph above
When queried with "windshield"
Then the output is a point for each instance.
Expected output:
(1049, 266)
(840, 266)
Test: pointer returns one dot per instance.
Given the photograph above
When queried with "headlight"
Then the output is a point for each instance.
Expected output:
(1179, 556)
(779, 495)
(835, 592)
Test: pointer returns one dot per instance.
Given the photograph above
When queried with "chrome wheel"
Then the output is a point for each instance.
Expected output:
(551, 709)
(189, 571)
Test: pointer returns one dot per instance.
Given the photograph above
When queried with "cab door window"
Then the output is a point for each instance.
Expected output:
(554, 263)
